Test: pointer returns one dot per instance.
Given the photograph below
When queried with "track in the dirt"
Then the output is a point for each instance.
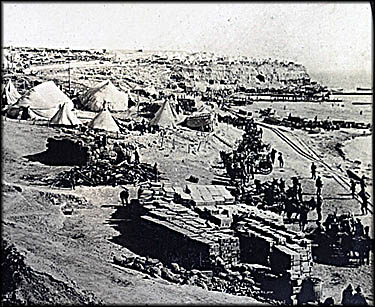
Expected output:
(339, 178)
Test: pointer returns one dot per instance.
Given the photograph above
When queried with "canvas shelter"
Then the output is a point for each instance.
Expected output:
(10, 94)
(94, 98)
(104, 121)
(42, 101)
(166, 116)
(65, 117)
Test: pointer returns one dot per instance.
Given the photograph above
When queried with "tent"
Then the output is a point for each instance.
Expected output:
(166, 116)
(42, 101)
(10, 94)
(105, 91)
(104, 121)
(65, 117)
(44, 96)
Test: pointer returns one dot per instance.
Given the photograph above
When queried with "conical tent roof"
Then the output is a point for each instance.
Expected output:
(44, 96)
(165, 116)
(65, 116)
(105, 91)
(11, 94)
(104, 121)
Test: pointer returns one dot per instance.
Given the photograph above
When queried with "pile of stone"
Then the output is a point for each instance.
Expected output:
(238, 279)
(61, 199)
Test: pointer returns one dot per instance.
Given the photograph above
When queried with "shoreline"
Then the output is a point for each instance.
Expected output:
(344, 143)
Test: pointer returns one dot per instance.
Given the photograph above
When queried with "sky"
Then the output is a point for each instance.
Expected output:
(323, 36)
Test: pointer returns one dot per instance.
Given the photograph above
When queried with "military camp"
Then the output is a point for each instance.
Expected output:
(184, 175)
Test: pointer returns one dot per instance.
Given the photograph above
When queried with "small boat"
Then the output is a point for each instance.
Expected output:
(267, 112)
(362, 103)
(316, 130)
(334, 100)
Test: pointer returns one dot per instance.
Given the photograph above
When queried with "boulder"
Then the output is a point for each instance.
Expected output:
(155, 271)
(175, 267)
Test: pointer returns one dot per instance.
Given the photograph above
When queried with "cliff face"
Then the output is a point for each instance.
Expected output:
(249, 73)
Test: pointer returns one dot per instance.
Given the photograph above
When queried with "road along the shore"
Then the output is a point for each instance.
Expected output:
(311, 155)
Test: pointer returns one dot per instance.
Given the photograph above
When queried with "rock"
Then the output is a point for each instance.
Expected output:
(138, 266)
(175, 267)
(152, 261)
(117, 260)
(203, 285)
(155, 271)
(246, 273)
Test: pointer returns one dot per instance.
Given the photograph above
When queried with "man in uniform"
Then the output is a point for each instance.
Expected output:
(72, 178)
(364, 204)
(136, 156)
(257, 186)
(352, 187)
(251, 169)
(319, 185)
(358, 298)
(313, 171)
(281, 160)
(347, 295)
(299, 192)
(282, 185)
(124, 196)
(156, 172)
(273, 155)
(303, 217)
(319, 205)
(362, 183)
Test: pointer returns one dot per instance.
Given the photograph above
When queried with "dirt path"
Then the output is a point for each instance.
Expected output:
(337, 198)
(304, 150)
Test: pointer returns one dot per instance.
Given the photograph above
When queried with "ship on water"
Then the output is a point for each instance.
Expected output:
(360, 89)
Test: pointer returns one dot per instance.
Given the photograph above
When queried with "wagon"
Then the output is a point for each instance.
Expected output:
(262, 165)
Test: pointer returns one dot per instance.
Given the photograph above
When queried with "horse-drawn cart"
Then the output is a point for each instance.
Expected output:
(341, 242)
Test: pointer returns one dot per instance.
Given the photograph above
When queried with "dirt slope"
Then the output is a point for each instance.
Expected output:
(74, 251)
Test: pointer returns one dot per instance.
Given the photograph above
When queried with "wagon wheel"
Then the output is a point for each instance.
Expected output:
(265, 168)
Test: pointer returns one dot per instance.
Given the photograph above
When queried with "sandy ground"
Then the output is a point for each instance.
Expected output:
(78, 249)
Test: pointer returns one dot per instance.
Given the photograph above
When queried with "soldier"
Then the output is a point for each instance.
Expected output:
(257, 186)
(136, 156)
(347, 295)
(156, 172)
(299, 192)
(281, 160)
(362, 183)
(358, 298)
(295, 187)
(366, 246)
(364, 204)
(313, 171)
(282, 185)
(303, 218)
(273, 155)
(72, 178)
(319, 205)
(319, 185)
(358, 228)
(352, 187)
(251, 170)
(124, 196)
